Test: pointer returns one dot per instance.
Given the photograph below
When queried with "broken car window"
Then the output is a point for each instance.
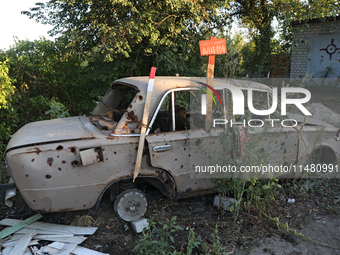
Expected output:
(187, 111)
(112, 106)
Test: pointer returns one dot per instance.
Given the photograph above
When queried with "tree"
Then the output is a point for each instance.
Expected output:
(51, 70)
(258, 16)
(31, 80)
(230, 65)
(132, 36)
(6, 87)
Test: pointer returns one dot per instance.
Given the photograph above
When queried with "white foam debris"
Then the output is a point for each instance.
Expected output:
(19, 241)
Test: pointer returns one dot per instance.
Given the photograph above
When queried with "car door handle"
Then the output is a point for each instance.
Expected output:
(161, 148)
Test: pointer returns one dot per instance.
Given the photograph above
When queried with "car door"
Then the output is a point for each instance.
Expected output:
(273, 137)
(178, 139)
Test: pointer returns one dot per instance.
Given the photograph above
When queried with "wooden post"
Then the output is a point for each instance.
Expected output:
(144, 123)
(210, 81)
(211, 48)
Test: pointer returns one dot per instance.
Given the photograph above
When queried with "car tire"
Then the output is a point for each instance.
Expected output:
(131, 205)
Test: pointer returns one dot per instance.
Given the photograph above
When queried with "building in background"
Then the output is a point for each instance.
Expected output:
(317, 51)
(280, 65)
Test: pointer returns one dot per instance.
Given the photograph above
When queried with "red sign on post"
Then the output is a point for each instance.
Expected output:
(213, 47)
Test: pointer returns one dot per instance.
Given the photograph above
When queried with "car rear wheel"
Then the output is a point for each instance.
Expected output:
(131, 205)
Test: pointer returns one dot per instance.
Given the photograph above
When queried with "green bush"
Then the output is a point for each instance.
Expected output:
(159, 239)
(6, 87)
(21, 110)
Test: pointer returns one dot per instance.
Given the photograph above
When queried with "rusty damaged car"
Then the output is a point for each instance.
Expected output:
(69, 163)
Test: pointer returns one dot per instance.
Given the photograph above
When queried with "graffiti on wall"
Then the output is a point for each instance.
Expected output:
(331, 49)
(323, 58)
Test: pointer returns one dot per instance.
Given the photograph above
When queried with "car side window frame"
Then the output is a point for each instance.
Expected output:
(173, 110)
(172, 91)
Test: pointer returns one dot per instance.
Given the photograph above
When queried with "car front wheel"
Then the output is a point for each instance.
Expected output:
(131, 205)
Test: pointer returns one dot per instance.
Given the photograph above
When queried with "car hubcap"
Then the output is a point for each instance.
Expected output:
(131, 205)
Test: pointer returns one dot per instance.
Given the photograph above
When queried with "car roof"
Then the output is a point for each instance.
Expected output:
(163, 83)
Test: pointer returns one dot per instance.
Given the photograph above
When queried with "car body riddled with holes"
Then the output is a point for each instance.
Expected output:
(69, 163)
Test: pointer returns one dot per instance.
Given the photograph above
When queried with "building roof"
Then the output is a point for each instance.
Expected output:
(316, 20)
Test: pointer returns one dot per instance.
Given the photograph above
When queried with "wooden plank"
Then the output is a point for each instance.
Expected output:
(22, 244)
(33, 251)
(144, 122)
(49, 250)
(53, 248)
(13, 242)
(53, 227)
(33, 242)
(10, 243)
(67, 249)
(10, 240)
(210, 82)
(7, 250)
(56, 245)
(61, 238)
(84, 251)
(40, 237)
(41, 232)
(19, 225)
(5, 240)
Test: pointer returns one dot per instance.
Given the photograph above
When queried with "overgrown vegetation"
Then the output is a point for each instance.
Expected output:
(252, 191)
(97, 44)
(101, 41)
(159, 238)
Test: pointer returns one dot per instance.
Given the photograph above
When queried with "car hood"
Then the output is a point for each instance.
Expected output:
(49, 131)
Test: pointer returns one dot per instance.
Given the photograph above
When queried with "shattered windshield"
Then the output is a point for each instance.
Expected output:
(112, 106)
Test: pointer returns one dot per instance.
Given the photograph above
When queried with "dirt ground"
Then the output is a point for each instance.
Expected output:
(315, 214)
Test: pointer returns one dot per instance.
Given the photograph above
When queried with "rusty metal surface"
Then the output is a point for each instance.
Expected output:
(128, 125)
(177, 160)
(284, 149)
(53, 173)
(44, 174)
(51, 130)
